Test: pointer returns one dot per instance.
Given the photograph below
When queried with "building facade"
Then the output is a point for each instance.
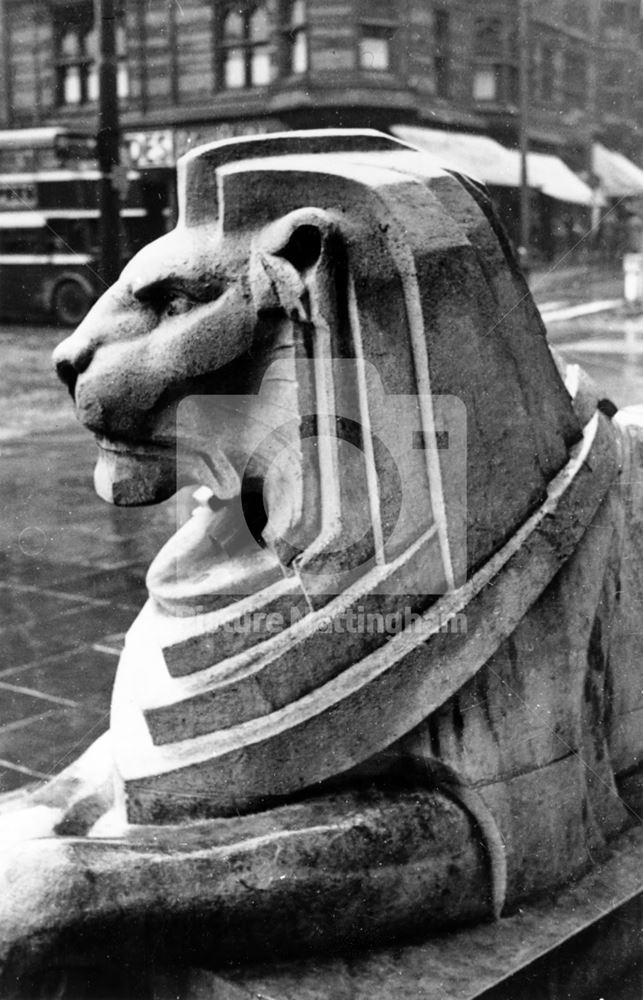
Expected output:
(197, 70)
(212, 64)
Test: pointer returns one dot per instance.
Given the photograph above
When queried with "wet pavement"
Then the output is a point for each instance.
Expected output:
(607, 343)
(609, 348)
(73, 567)
(72, 570)
(558, 284)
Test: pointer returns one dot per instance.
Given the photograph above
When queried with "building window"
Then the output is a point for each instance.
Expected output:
(619, 18)
(577, 12)
(246, 52)
(616, 93)
(495, 74)
(575, 79)
(295, 37)
(547, 78)
(376, 36)
(441, 30)
(489, 38)
(617, 14)
(75, 40)
(122, 69)
(485, 84)
(375, 49)
(77, 57)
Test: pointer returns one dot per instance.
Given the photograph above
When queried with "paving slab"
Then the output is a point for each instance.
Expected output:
(82, 676)
(44, 744)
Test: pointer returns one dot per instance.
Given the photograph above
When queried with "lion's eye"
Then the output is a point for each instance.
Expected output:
(176, 304)
(164, 298)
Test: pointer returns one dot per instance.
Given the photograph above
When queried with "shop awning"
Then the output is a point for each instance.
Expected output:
(484, 158)
(477, 156)
(619, 177)
(554, 178)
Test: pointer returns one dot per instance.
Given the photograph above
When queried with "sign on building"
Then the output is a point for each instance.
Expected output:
(150, 149)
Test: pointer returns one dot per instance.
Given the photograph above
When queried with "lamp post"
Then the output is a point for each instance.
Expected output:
(523, 129)
(107, 141)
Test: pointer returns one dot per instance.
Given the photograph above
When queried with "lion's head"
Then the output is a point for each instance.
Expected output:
(317, 247)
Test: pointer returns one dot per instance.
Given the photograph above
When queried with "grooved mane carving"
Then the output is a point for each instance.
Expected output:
(298, 348)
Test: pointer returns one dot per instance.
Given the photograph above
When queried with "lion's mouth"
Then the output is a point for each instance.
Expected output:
(217, 556)
(220, 552)
(141, 473)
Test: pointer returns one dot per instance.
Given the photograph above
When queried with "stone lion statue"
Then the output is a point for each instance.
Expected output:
(388, 673)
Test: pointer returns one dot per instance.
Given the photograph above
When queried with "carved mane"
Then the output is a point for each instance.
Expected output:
(408, 296)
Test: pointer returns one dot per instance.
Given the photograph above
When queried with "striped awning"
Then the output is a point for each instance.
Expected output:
(619, 177)
(554, 178)
(483, 158)
(478, 156)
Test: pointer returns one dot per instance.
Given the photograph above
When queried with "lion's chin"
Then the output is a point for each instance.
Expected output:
(132, 479)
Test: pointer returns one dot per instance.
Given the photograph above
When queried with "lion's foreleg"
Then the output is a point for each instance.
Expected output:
(71, 803)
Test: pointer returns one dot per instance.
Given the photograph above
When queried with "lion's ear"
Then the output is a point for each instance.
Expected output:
(304, 247)
(283, 257)
(275, 285)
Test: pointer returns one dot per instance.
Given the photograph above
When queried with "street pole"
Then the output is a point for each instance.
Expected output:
(107, 141)
(523, 128)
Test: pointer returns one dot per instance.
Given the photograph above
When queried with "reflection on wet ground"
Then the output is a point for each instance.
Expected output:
(609, 348)
(71, 583)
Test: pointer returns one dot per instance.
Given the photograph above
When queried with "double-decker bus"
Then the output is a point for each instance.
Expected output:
(49, 224)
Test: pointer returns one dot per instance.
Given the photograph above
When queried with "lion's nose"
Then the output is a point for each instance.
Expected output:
(71, 361)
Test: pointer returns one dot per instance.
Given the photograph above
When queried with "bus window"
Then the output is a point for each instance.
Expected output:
(22, 241)
(83, 237)
(73, 235)
(55, 243)
(137, 233)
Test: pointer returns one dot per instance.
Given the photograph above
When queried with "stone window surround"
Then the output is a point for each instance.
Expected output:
(442, 51)
(294, 32)
(77, 21)
(376, 39)
(495, 68)
(244, 50)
